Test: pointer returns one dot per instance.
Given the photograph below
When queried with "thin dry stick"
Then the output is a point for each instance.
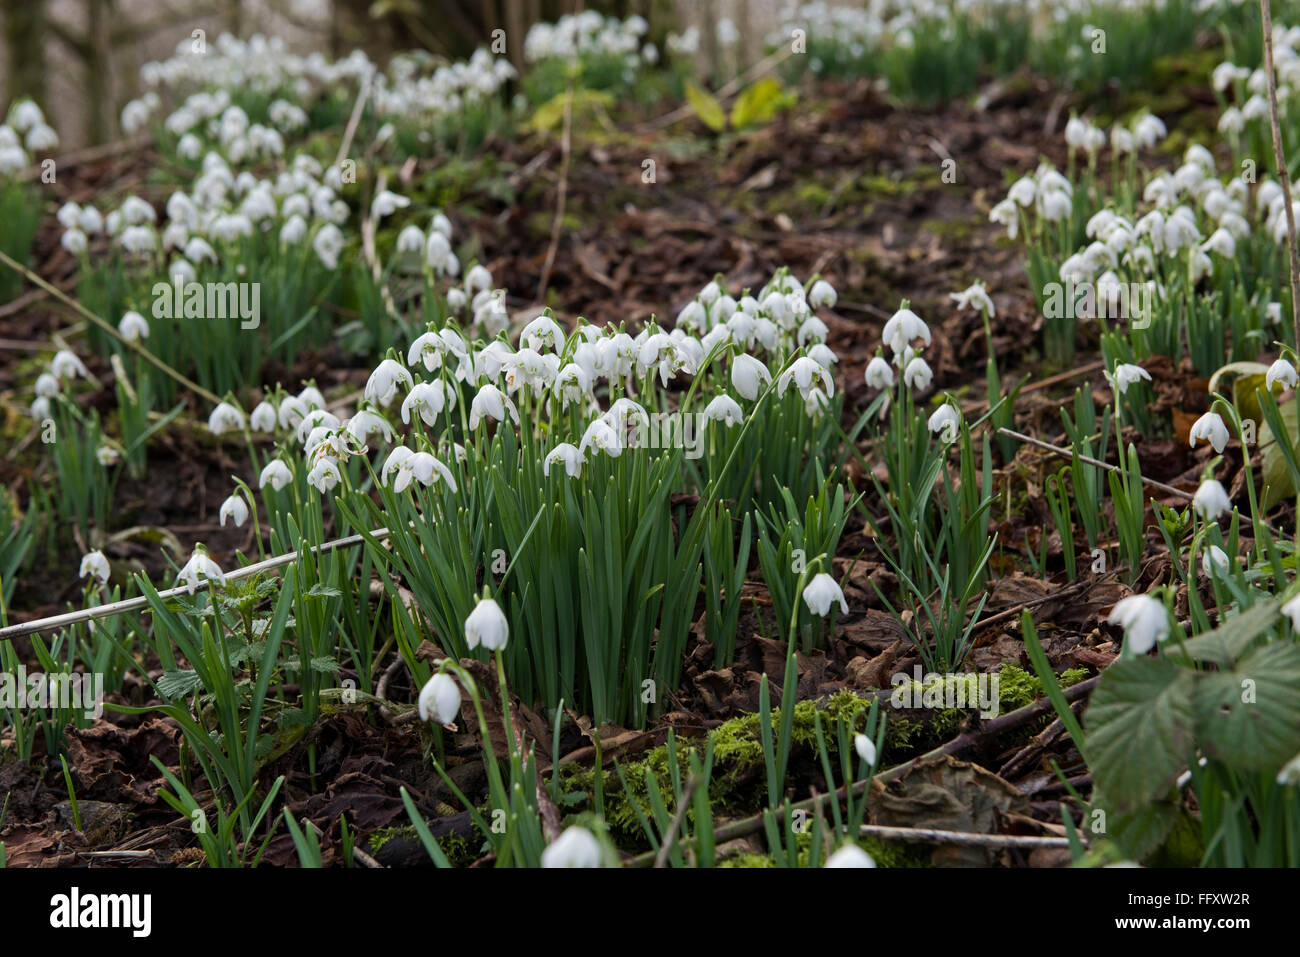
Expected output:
(1067, 453)
(1279, 158)
(351, 129)
(561, 197)
(132, 604)
(929, 835)
(108, 327)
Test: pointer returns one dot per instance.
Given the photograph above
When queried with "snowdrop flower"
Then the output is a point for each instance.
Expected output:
(1290, 772)
(1211, 501)
(429, 399)
(1222, 243)
(276, 474)
(386, 203)
(903, 328)
(576, 847)
(866, 749)
(133, 327)
(1215, 562)
(1126, 374)
(47, 385)
(803, 372)
(1144, 620)
(69, 215)
(23, 116)
(200, 566)
(235, 509)
(945, 422)
(812, 329)
(543, 333)
(1210, 427)
(66, 365)
(600, 435)
(328, 244)
(974, 295)
(365, 424)
(1149, 130)
(749, 376)
(1273, 313)
(324, 476)
(478, 278)
(567, 455)
(822, 294)
(823, 591)
(572, 383)
(724, 409)
(262, 418)
(1054, 205)
(225, 418)
(107, 456)
(493, 403)
(823, 355)
(1006, 214)
(918, 375)
(74, 241)
(381, 387)
(410, 240)
(40, 408)
(95, 564)
(879, 375)
(850, 855)
(693, 315)
(1283, 372)
(422, 467)
(41, 139)
(440, 699)
(487, 626)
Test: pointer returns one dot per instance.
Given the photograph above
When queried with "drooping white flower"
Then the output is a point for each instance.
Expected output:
(276, 474)
(879, 374)
(903, 328)
(107, 456)
(603, 437)
(724, 409)
(576, 847)
(1283, 372)
(225, 418)
(866, 749)
(328, 244)
(66, 365)
(200, 566)
(822, 294)
(95, 564)
(918, 375)
(235, 509)
(1211, 501)
(1126, 374)
(440, 699)
(1215, 562)
(386, 203)
(1210, 427)
(381, 387)
(263, 417)
(850, 855)
(822, 592)
(1144, 620)
(428, 399)
(324, 475)
(491, 402)
(487, 626)
(974, 295)
(944, 422)
(366, 423)
(543, 333)
(749, 376)
(1289, 772)
(804, 372)
(565, 454)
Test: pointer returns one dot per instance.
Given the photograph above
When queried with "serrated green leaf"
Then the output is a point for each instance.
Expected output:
(1141, 832)
(1140, 729)
(1225, 644)
(1249, 718)
(323, 591)
(177, 684)
(706, 107)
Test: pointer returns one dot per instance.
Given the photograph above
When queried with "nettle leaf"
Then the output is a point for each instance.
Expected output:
(1249, 717)
(1140, 729)
(706, 107)
(323, 591)
(1140, 832)
(178, 684)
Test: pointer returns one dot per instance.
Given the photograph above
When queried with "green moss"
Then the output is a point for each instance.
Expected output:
(381, 837)
(749, 860)
(1018, 688)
